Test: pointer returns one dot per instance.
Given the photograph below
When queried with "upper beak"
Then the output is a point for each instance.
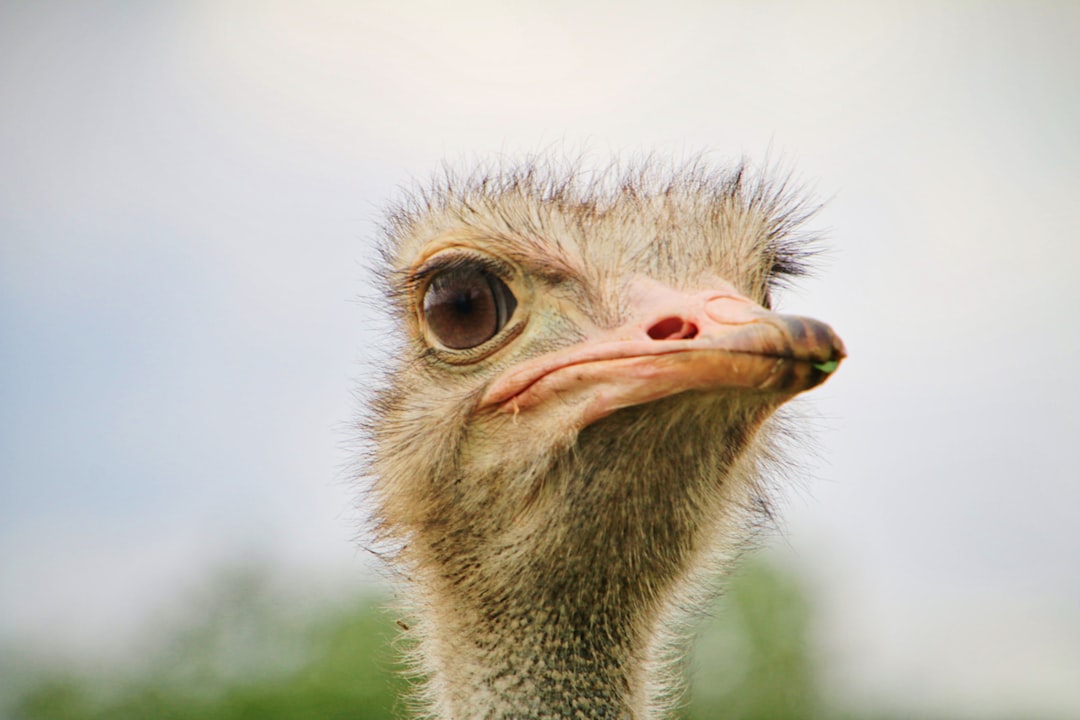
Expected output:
(676, 341)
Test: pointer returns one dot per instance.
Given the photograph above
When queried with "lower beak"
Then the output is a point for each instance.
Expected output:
(707, 341)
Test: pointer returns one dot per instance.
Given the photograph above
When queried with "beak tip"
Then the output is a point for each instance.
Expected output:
(828, 367)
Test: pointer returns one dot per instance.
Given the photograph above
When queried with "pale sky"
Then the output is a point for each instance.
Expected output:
(189, 195)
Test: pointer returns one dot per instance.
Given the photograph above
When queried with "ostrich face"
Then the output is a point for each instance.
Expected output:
(542, 330)
(554, 358)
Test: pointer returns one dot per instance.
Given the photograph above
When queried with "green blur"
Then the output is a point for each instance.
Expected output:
(243, 651)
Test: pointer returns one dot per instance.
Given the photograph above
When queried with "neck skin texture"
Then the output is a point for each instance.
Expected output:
(563, 602)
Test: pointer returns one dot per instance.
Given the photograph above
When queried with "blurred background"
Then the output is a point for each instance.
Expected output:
(189, 196)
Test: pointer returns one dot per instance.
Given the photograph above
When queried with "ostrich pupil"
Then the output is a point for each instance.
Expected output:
(466, 307)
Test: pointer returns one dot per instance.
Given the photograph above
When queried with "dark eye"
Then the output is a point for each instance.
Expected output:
(465, 307)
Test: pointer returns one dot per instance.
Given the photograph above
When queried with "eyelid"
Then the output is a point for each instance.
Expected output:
(457, 259)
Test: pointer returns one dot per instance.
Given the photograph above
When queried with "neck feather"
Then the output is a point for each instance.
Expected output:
(566, 608)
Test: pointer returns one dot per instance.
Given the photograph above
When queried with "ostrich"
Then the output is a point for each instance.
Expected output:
(575, 436)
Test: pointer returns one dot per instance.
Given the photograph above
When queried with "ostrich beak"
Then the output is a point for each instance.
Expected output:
(676, 341)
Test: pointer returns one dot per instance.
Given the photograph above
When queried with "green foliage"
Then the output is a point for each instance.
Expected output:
(242, 655)
(752, 661)
(244, 652)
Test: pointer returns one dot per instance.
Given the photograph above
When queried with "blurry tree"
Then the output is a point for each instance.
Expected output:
(246, 652)
(242, 654)
(752, 661)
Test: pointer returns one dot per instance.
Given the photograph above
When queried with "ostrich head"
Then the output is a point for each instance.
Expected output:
(572, 437)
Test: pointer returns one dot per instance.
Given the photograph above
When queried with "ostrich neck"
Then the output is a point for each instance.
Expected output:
(545, 644)
(563, 611)
(538, 664)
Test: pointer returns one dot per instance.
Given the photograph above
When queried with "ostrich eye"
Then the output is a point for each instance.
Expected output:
(466, 306)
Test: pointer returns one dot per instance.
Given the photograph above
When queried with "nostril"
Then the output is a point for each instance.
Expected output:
(673, 328)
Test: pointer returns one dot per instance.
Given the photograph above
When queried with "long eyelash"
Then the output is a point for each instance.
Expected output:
(456, 261)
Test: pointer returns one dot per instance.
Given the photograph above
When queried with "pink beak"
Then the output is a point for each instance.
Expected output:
(677, 341)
